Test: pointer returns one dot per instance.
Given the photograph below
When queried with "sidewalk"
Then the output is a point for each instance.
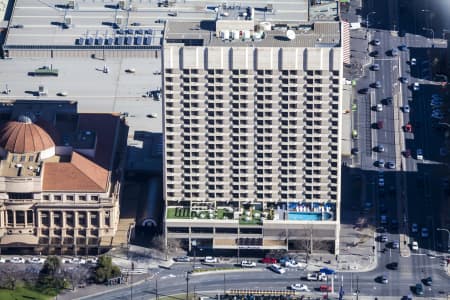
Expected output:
(149, 260)
(96, 289)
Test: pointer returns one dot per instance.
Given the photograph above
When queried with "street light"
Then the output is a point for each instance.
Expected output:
(194, 245)
(187, 285)
(448, 238)
(367, 19)
(429, 29)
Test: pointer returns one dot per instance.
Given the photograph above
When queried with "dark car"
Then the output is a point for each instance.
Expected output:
(383, 238)
(407, 153)
(428, 281)
(380, 124)
(387, 101)
(355, 151)
(394, 245)
(380, 148)
(392, 266)
(374, 53)
(418, 289)
(363, 91)
(382, 279)
(402, 47)
(136, 24)
(381, 229)
(376, 42)
(404, 80)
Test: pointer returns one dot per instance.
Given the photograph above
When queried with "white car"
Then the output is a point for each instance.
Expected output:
(36, 260)
(248, 264)
(414, 246)
(379, 107)
(424, 232)
(210, 260)
(74, 260)
(17, 260)
(92, 260)
(277, 269)
(413, 61)
(416, 86)
(414, 228)
(2, 260)
(78, 261)
(300, 287)
(406, 109)
(419, 154)
(292, 264)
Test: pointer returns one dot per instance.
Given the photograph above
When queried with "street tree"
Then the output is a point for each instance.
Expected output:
(9, 278)
(106, 270)
(76, 275)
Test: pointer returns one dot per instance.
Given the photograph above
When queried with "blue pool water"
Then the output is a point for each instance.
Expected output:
(308, 216)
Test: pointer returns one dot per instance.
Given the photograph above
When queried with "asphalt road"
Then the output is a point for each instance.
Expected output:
(174, 281)
(420, 179)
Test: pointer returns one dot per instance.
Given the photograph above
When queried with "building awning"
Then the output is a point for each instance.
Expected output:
(24, 239)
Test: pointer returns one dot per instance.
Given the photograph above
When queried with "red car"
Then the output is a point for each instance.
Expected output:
(325, 288)
(269, 260)
(408, 127)
(380, 124)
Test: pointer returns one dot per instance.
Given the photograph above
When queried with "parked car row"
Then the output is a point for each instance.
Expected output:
(41, 260)
(287, 262)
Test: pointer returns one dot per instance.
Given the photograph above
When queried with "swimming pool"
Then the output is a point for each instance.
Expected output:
(308, 216)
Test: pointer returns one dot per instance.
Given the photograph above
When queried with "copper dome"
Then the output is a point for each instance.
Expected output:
(23, 136)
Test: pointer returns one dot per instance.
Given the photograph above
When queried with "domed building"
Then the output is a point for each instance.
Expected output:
(25, 137)
(59, 178)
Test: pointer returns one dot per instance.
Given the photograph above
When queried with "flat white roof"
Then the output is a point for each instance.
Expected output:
(36, 23)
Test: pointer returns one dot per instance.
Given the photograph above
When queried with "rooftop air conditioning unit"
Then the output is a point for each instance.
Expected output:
(119, 20)
(122, 4)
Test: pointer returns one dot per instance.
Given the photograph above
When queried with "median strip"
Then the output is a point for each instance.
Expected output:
(223, 270)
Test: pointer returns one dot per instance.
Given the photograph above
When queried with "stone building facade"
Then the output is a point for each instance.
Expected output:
(60, 178)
